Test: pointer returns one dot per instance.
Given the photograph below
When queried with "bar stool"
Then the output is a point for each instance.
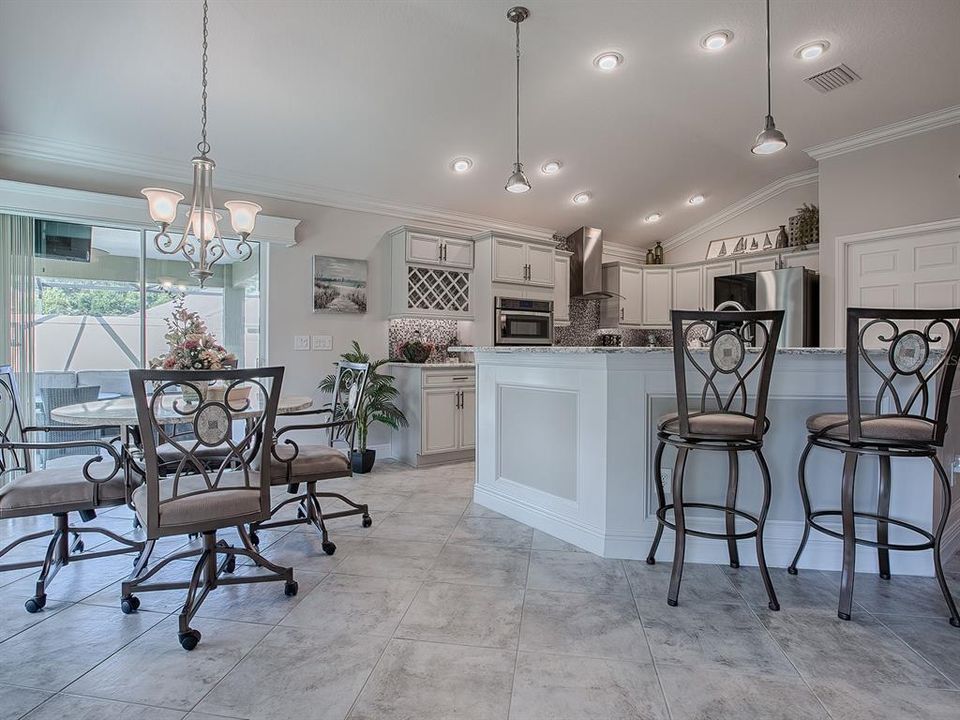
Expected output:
(723, 423)
(904, 424)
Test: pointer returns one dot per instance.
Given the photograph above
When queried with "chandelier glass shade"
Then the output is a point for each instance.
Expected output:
(201, 242)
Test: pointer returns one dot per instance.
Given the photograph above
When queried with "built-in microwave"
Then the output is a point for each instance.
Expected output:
(523, 322)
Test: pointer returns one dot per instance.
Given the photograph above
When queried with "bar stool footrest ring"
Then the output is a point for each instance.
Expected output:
(662, 512)
(872, 543)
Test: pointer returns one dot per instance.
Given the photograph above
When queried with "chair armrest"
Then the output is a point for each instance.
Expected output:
(309, 411)
(314, 426)
(110, 450)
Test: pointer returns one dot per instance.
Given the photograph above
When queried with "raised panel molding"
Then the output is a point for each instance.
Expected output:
(878, 262)
(936, 294)
(941, 255)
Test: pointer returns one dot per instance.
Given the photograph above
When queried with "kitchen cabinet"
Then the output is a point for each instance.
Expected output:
(656, 297)
(688, 288)
(749, 265)
(428, 249)
(711, 271)
(522, 263)
(625, 284)
(561, 288)
(440, 404)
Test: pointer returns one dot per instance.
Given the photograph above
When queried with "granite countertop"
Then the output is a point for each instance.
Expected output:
(433, 365)
(599, 349)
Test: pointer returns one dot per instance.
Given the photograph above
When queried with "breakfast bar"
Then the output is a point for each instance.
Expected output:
(566, 438)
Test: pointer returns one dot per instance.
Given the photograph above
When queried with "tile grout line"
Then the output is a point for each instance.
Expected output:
(914, 650)
(643, 629)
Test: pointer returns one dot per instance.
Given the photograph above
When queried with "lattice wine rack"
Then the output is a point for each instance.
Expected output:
(438, 290)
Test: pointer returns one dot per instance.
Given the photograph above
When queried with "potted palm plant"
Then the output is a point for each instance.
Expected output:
(378, 404)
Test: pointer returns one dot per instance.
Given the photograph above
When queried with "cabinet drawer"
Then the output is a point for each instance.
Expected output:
(449, 378)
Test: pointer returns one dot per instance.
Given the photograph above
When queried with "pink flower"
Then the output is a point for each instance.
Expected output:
(191, 344)
(168, 363)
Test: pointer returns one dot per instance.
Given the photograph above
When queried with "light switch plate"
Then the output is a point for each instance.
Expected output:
(301, 342)
(322, 342)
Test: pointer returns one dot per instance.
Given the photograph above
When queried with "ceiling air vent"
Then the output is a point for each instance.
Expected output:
(832, 79)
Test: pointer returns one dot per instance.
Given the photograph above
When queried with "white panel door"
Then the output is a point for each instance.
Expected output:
(424, 249)
(711, 271)
(657, 296)
(631, 288)
(541, 265)
(468, 419)
(440, 420)
(458, 253)
(688, 288)
(561, 289)
(509, 260)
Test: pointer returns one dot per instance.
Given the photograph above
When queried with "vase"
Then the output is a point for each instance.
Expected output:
(782, 240)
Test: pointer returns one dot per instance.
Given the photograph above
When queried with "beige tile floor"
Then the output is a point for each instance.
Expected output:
(444, 610)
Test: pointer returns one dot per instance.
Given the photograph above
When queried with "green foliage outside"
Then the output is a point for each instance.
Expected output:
(53, 300)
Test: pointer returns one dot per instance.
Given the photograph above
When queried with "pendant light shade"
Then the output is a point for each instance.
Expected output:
(769, 140)
(517, 182)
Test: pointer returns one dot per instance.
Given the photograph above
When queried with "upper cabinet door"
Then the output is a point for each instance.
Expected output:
(540, 265)
(749, 265)
(688, 288)
(424, 249)
(710, 272)
(561, 289)
(631, 300)
(457, 253)
(509, 261)
(657, 296)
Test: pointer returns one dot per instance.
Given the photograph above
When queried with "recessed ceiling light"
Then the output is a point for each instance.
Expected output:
(551, 167)
(811, 51)
(461, 164)
(717, 40)
(582, 198)
(696, 200)
(653, 217)
(608, 61)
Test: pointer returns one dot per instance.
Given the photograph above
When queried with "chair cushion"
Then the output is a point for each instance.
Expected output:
(723, 424)
(169, 453)
(228, 505)
(56, 490)
(113, 381)
(882, 428)
(312, 460)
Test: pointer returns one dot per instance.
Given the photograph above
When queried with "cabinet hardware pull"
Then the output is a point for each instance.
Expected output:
(465, 377)
(621, 313)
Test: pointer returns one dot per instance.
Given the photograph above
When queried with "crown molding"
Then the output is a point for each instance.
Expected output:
(751, 201)
(887, 133)
(140, 165)
(56, 203)
(624, 252)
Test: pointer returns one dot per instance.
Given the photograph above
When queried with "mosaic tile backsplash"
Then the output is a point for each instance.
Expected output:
(441, 333)
(584, 330)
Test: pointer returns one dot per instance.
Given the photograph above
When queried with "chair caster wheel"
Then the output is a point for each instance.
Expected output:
(254, 538)
(791, 570)
(885, 577)
(843, 616)
(955, 622)
(129, 605)
(735, 565)
(329, 548)
(367, 521)
(672, 603)
(189, 639)
(290, 588)
(773, 606)
(35, 604)
(651, 561)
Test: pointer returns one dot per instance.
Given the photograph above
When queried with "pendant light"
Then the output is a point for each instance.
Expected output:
(201, 243)
(517, 182)
(770, 140)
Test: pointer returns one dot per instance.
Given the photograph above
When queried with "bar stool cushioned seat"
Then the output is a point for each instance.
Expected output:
(882, 428)
(709, 424)
(232, 500)
(310, 460)
(56, 490)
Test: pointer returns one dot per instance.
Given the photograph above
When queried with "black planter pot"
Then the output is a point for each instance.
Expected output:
(362, 461)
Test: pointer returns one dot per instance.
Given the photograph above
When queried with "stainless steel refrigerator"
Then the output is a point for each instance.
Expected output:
(796, 291)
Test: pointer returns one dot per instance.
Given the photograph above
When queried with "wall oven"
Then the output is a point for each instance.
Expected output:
(523, 322)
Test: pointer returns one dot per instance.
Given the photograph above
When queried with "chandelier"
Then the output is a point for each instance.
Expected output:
(201, 242)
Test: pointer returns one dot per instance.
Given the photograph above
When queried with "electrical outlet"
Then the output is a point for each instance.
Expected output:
(666, 480)
(322, 342)
(301, 342)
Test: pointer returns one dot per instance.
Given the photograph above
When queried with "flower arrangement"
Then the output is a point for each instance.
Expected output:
(191, 345)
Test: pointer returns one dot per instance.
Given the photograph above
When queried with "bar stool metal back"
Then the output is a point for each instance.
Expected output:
(913, 354)
(729, 415)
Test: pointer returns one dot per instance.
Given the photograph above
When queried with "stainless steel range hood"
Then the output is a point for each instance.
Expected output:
(586, 265)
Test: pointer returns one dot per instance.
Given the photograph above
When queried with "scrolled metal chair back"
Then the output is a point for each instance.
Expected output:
(900, 348)
(246, 399)
(734, 347)
(349, 387)
(12, 459)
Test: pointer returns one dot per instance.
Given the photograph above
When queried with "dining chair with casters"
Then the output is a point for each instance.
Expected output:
(29, 492)
(196, 498)
(293, 464)
(911, 356)
(733, 364)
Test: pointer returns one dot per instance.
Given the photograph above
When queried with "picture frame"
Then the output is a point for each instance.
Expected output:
(339, 285)
(746, 244)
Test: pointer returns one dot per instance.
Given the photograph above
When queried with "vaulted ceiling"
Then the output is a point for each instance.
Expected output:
(337, 98)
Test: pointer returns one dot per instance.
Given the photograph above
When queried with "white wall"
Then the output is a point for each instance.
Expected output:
(769, 214)
(904, 182)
